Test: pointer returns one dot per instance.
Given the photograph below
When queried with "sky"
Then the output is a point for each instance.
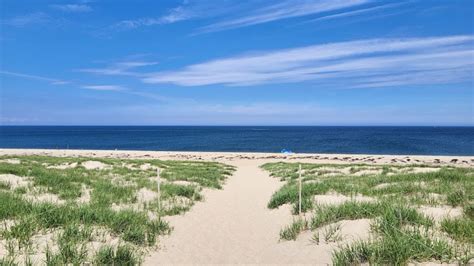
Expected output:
(231, 62)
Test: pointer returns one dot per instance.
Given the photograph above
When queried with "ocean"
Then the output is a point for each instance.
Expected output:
(299, 139)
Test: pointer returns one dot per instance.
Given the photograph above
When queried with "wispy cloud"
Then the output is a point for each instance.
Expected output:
(28, 19)
(174, 15)
(73, 8)
(121, 68)
(356, 12)
(35, 77)
(104, 87)
(282, 10)
(363, 63)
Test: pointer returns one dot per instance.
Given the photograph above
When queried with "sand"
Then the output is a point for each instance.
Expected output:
(63, 166)
(14, 181)
(440, 212)
(233, 225)
(336, 199)
(90, 165)
(466, 161)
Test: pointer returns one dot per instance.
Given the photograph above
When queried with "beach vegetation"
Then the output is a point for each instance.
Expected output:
(79, 206)
(394, 197)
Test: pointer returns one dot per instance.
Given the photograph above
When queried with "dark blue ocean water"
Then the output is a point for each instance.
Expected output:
(366, 140)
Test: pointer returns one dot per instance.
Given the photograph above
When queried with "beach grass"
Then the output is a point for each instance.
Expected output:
(94, 210)
(291, 231)
(393, 198)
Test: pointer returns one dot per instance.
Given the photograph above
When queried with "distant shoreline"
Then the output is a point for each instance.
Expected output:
(462, 161)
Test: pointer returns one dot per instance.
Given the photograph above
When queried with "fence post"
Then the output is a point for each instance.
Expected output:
(299, 181)
(159, 191)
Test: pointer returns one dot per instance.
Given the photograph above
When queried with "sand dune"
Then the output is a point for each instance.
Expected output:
(234, 225)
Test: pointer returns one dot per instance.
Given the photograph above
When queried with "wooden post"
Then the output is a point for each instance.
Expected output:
(299, 181)
(159, 191)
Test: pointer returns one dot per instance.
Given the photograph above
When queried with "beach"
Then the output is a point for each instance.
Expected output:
(186, 132)
(236, 157)
(233, 224)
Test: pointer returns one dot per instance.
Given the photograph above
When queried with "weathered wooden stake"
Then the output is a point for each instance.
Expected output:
(299, 181)
(159, 191)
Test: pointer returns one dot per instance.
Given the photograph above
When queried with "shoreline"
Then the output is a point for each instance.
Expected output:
(467, 161)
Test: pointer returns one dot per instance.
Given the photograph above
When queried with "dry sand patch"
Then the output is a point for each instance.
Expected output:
(11, 161)
(85, 195)
(335, 198)
(63, 166)
(95, 165)
(146, 166)
(36, 251)
(440, 212)
(424, 169)
(345, 231)
(146, 195)
(44, 197)
(384, 185)
(368, 172)
(14, 180)
(184, 183)
(332, 171)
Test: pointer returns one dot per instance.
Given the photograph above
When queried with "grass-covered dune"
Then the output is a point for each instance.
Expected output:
(417, 213)
(57, 210)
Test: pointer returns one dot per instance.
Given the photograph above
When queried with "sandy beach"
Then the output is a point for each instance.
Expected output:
(236, 157)
(233, 225)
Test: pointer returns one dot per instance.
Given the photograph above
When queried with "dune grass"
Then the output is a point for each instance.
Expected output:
(123, 255)
(94, 206)
(400, 232)
(291, 231)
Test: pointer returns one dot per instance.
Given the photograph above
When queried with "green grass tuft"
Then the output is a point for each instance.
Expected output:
(124, 255)
(461, 229)
(291, 232)
(456, 198)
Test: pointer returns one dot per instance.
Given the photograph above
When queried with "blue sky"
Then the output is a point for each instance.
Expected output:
(229, 62)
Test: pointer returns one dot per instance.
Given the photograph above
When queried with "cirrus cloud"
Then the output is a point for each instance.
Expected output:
(73, 8)
(361, 63)
(104, 87)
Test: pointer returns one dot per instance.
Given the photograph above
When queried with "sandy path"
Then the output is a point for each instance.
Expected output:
(234, 226)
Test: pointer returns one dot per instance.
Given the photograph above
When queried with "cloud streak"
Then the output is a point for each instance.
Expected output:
(120, 69)
(362, 63)
(26, 20)
(73, 8)
(282, 10)
(355, 12)
(174, 15)
(35, 77)
(104, 87)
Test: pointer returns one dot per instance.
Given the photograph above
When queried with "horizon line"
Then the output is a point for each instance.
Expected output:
(248, 125)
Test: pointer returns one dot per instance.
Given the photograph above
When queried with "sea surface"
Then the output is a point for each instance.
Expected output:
(320, 139)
